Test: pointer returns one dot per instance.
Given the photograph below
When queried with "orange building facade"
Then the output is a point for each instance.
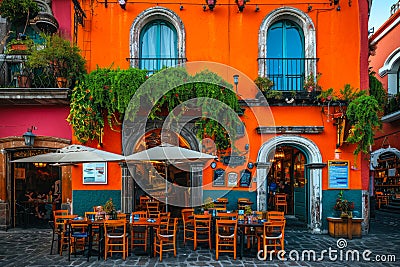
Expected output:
(332, 38)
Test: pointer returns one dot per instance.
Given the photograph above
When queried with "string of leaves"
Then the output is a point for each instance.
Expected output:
(107, 93)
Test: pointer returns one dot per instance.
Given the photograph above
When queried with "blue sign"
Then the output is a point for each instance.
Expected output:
(338, 171)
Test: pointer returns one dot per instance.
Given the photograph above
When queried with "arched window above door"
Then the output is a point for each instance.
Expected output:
(157, 40)
(287, 48)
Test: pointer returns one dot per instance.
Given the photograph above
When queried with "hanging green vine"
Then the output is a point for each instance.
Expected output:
(107, 93)
(362, 113)
(104, 93)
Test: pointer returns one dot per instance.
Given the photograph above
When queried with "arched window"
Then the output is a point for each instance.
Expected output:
(285, 55)
(157, 39)
(287, 48)
(158, 46)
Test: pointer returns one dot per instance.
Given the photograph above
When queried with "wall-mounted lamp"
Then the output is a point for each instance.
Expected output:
(211, 4)
(236, 81)
(257, 8)
(122, 3)
(181, 7)
(309, 8)
(29, 137)
(204, 7)
(241, 4)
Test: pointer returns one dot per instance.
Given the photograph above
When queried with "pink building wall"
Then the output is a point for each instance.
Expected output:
(62, 12)
(49, 120)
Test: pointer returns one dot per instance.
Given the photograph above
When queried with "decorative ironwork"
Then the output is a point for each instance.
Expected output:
(287, 74)
(154, 64)
(79, 16)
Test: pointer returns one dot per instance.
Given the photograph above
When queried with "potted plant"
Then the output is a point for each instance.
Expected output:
(20, 46)
(109, 209)
(208, 204)
(61, 56)
(265, 86)
(344, 206)
(18, 13)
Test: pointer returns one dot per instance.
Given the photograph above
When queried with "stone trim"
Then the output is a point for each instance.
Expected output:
(303, 20)
(152, 14)
(313, 155)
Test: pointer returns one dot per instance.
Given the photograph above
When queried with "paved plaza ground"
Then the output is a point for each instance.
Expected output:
(31, 247)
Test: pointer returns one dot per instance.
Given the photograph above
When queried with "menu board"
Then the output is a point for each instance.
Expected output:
(95, 173)
(245, 178)
(219, 177)
(338, 172)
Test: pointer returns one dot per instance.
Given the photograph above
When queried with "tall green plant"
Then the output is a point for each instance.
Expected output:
(362, 113)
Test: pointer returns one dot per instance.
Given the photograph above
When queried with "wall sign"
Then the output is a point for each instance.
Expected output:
(95, 173)
(245, 178)
(338, 172)
(232, 179)
(219, 177)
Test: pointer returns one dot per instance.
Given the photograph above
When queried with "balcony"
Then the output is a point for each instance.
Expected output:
(392, 109)
(21, 86)
(152, 65)
(287, 74)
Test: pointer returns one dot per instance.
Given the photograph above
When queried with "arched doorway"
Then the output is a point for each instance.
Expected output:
(313, 186)
(287, 175)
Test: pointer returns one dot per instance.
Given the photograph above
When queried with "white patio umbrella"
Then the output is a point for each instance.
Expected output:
(169, 154)
(74, 154)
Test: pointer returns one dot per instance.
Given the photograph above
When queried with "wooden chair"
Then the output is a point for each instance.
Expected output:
(152, 208)
(188, 224)
(280, 201)
(226, 237)
(91, 215)
(60, 233)
(242, 202)
(142, 202)
(79, 234)
(139, 233)
(227, 215)
(202, 229)
(273, 236)
(115, 238)
(166, 241)
(274, 215)
(381, 199)
(221, 203)
(122, 216)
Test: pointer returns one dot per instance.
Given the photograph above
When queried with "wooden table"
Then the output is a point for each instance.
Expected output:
(242, 226)
(144, 222)
(344, 227)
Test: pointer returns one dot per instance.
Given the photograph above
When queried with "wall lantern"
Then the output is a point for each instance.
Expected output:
(211, 4)
(236, 81)
(241, 4)
(122, 4)
(29, 137)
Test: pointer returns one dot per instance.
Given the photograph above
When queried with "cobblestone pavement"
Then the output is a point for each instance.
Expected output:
(31, 247)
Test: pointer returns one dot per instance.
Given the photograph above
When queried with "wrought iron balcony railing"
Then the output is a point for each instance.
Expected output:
(154, 64)
(287, 74)
(15, 74)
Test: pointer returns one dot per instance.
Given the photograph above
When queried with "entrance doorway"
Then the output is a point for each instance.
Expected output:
(287, 175)
(35, 189)
(152, 174)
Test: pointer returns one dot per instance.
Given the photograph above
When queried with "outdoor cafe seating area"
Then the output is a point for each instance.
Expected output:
(151, 230)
